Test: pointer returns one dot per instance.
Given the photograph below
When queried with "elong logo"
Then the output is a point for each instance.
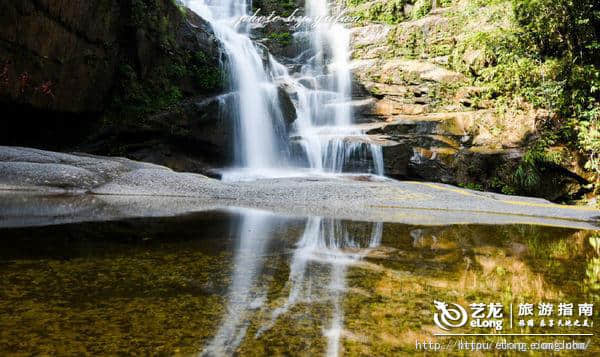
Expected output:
(449, 318)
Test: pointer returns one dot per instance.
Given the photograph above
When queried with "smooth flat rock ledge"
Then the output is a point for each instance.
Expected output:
(41, 187)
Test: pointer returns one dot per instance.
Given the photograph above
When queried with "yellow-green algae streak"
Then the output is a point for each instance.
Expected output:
(160, 286)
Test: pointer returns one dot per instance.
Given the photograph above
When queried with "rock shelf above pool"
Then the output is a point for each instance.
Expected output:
(43, 187)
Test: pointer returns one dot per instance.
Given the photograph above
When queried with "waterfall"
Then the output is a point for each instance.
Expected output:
(261, 143)
(322, 139)
(324, 129)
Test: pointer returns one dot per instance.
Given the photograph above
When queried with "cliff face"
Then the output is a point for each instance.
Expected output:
(68, 62)
(59, 55)
(450, 109)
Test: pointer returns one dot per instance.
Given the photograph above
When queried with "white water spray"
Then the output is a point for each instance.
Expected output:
(325, 118)
(323, 138)
(259, 123)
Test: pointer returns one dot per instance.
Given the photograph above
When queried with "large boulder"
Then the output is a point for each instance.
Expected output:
(444, 147)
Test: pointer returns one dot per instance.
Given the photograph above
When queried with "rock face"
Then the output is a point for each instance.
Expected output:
(38, 170)
(143, 79)
(72, 49)
(434, 122)
(63, 56)
(73, 67)
(450, 147)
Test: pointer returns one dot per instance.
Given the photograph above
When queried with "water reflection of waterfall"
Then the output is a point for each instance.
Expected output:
(325, 244)
(322, 137)
(244, 293)
(318, 268)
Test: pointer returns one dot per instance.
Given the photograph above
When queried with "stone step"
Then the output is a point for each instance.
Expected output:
(430, 141)
(394, 71)
(416, 129)
(397, 90)
(387, 108)
(413, 134)
(455, 125)
(352, 133)
(380, 140)
(358, 107)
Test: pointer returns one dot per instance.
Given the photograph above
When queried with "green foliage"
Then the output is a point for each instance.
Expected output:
(150, 15)
(282, 38)
(559, 28)
(279, 7)
(415, 44)
(137, 97)
(206, 76)
(569, 32)
(180, 6)
(528, 174)
(472, 186)
(589, 139)
(505, 67)
(549, 57)
(353, 3)
(167, 72)
(390, 12)
(422, 8)
(584, 102)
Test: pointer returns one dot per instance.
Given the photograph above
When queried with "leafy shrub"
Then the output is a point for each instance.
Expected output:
(549, 58)
(283, 38)
(422, 8)
(390, 11)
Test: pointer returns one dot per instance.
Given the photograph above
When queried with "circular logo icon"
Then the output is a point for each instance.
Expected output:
(447, 318)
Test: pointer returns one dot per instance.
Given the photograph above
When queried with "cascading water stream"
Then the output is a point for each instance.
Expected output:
(260, 132)
(322, 138)
(323, 90)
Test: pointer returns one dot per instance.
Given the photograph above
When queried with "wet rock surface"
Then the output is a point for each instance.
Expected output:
(108, 188)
